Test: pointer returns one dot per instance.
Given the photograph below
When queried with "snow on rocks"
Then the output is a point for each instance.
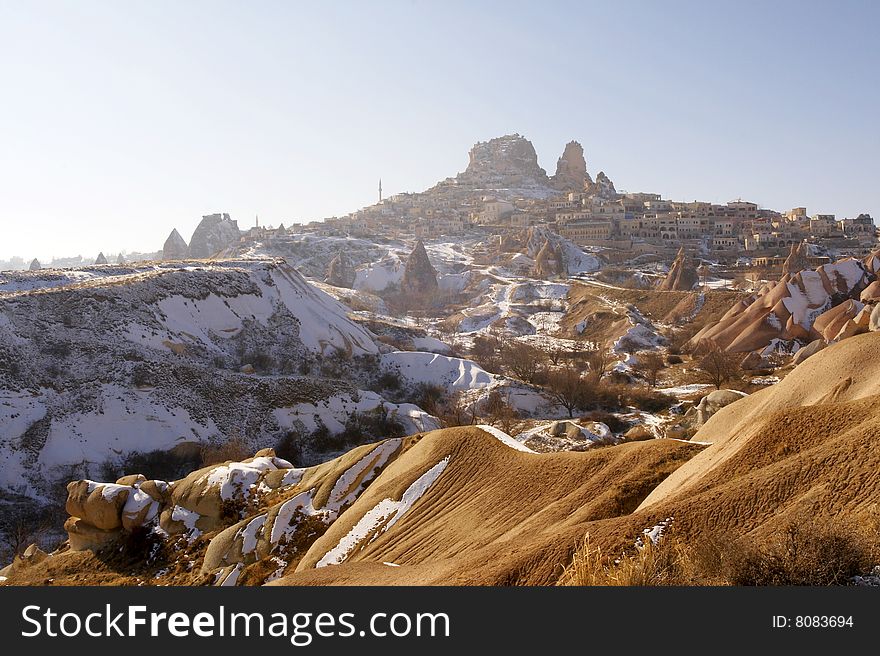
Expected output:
(381, 517)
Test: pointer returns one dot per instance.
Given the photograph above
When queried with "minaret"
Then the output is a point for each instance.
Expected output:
(380, 190)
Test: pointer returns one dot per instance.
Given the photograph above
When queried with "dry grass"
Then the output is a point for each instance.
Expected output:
(804, 553)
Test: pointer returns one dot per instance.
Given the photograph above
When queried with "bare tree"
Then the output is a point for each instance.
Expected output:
(599, 360)
(499, 412)
(523, 361)
(649, 364)
(718, 366)
(568, 388)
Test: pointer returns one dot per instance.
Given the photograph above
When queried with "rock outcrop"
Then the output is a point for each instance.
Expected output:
(175, 247)
(602, 187)
(35, 265)
(214, 233)
(682, 274)
(419, 275)
(548, 262)
(797, 259)
(504, 162)
(341, 271)
(101, 259)
(806, 306)
(571, 168)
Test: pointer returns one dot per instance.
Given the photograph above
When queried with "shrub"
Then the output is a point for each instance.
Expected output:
(142, 376)
(161, 465)
(234, 449)
(812, 554)
(674, 359)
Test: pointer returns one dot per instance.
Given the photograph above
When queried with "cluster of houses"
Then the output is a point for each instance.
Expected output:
(628, 224)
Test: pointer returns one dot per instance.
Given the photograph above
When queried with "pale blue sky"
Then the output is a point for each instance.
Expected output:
(121, 120)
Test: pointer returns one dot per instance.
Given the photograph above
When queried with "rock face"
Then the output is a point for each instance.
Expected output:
(341, 272)
(214, 233)
(175, 247)
(571, 168)
(419, 275)
(806, 306)
(810, 349)
(713, 402)
(797, 259)
(682, 274)
(548, 263)
(35, 265)
(602, 187)
(100, 259)
(508, 161)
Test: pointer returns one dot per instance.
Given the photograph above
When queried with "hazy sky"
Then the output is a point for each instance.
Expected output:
(122, 120)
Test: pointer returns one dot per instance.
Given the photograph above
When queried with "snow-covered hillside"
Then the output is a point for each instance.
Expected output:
(98, 363)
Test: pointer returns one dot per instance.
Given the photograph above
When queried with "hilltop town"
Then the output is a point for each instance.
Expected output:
(503, 190)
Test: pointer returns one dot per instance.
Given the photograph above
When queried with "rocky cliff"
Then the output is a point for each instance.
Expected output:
(214, 233)
(504, 162)
(571, 168)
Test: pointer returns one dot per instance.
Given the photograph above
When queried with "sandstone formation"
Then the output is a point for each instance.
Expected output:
(797, 259)
(871, 293)
(806, 306)
(682, 274)
(341, 271)
(100, 259)
(214, 233)
(419, 275)
(809, 350)
(571, 168)
(548, 262)
(175, 247)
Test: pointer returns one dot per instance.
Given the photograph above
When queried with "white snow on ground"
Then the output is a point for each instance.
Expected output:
(654, 533)
(682, 390)
(504, 438)
(44, 279)
(334, 411)
(232, 578)
(380, 275)
(382, 517)
(223, 317)
(431, 345)
(124, 421)
(454, 373)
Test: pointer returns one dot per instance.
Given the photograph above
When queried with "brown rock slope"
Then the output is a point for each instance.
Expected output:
(494, 516)
(805, 447)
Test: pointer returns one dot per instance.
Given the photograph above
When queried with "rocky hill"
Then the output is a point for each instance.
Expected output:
(98, 363)
(504, 162)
